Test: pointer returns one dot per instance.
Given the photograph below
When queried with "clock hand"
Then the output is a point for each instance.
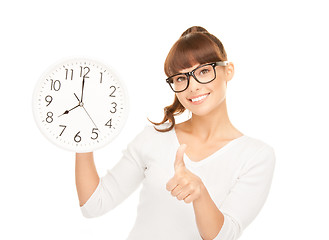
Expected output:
(83, 85)
(77, 97)
(67, 111)
(89, 116)
(81, 103)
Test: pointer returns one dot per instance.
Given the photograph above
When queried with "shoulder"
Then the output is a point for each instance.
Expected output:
(149, 133)
(257, 144)
(258, 152)
(149, 141)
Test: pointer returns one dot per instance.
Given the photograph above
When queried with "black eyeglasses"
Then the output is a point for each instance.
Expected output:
(202, 74)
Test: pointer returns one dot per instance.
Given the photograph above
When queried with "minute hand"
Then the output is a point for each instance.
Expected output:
(83, 86)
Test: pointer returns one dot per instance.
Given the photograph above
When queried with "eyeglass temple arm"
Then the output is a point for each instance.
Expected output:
(223, 63)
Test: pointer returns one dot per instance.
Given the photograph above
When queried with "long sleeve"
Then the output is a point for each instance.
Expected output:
(119, 182)
(238, 178)
(248, 194)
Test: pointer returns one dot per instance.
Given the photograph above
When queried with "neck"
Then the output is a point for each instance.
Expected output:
(213, 126)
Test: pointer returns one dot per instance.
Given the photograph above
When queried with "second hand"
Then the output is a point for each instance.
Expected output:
(89, 117)
(81, 105)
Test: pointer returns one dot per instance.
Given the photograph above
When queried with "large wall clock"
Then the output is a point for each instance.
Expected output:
(80, 105)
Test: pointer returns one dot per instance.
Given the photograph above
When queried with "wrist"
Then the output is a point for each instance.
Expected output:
(203, 193)
(84, 156)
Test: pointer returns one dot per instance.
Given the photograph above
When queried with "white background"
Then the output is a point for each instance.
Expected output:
(278, 94)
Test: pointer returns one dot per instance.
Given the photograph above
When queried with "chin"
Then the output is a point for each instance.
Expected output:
(207, 109)
(200, 112)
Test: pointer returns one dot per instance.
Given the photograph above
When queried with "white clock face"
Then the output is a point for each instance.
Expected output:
(80, 105)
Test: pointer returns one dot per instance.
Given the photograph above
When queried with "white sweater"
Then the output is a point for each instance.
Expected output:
(238, 178)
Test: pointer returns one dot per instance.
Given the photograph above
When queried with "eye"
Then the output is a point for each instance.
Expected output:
(204, 71)
(180, 79)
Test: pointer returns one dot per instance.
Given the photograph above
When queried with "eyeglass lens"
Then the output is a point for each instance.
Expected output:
(203, 74)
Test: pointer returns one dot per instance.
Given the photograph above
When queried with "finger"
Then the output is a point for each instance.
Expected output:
(188, 199)
(176, 190)
(171, 184)
(179, 161)
(183, 194)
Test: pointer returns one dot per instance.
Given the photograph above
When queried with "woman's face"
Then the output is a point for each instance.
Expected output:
(202, 99)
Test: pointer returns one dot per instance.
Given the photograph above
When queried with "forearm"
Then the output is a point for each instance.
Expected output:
(208, 217)
(86, 177)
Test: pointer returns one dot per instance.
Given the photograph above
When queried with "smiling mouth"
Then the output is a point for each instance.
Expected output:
(198, 99)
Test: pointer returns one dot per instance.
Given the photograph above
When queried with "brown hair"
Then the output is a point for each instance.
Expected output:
(195, 46)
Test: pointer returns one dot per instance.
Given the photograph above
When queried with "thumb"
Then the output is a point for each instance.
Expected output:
(179, 162)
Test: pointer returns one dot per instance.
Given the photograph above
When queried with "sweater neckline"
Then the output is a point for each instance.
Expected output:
(220, 151)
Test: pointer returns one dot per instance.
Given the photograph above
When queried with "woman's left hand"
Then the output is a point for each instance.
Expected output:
(184, 185)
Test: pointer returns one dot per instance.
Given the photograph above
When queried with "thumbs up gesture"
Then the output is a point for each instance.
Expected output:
(184, 185)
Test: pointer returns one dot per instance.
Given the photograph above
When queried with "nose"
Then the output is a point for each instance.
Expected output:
(193, 84)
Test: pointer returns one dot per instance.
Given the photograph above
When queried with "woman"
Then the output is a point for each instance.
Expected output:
(202, 178)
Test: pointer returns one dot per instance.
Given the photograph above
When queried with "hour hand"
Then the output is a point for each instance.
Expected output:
(67, 111)
(77, 97)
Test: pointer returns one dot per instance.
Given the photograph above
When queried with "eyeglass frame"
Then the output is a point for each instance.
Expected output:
(191, 73)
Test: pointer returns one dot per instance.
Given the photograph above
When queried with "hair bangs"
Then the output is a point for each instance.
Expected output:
(189, 50)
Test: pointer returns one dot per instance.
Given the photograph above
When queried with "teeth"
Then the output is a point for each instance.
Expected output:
(199, 98)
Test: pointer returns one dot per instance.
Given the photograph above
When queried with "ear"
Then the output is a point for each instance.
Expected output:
(229, 71)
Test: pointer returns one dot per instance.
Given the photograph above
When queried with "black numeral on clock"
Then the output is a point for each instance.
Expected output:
(77, 137)
(55, 85)
(114, 107)
(114, 89)
(67, 73)
(109, 123)
(48, 99)
(49, 117)
(101, 80)
(84, 72)
(94, 132)
(63, 126)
